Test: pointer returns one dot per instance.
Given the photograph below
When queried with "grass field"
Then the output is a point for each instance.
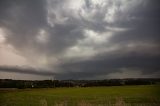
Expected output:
(147, 95)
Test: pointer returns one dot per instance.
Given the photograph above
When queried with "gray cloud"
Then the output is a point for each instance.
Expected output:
(23, 20)
(112, 62)
(143, 22)
(83, 39)
(22, 70)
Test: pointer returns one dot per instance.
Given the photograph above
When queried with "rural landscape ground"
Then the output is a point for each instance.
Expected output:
(139, 95)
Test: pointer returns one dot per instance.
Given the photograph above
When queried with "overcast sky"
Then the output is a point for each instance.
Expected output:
(79, 39)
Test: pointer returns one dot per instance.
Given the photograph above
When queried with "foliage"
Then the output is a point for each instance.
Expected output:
(7, 83)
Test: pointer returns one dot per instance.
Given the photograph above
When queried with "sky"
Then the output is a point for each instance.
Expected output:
(79, 39)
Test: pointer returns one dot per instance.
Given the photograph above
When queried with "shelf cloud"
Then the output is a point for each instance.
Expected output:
(80, 39)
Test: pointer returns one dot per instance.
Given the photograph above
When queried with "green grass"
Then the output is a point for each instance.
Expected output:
(147, 95)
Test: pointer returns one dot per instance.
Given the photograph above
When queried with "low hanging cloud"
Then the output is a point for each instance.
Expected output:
(80, 39)
(22, 70)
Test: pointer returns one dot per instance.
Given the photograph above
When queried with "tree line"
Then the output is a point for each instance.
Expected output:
(21, 84)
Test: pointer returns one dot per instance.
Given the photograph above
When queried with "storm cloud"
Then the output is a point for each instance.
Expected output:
(80, 39)
(27, 70)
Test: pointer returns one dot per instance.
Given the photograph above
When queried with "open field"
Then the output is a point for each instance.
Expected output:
(148, 95)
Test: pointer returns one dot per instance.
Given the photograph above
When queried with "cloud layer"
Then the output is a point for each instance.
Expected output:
(81, 39)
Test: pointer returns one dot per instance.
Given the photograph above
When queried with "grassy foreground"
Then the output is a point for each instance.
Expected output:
(147, 95)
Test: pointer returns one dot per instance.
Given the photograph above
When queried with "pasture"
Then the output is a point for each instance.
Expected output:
(142, 95)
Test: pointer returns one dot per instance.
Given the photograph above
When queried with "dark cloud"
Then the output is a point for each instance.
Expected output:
(47, 31)
(22, 70)
(23, 20)
(143, 24)
(63, 36)
(112, 62)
